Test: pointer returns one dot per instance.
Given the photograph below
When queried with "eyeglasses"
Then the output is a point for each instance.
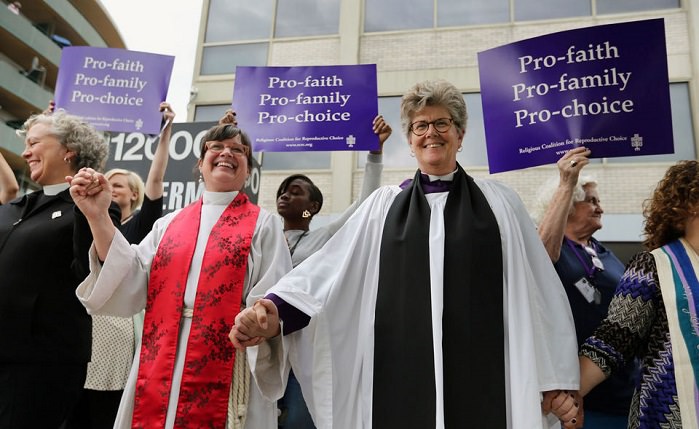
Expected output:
(235, 148)
(596, 261)
(442, 125)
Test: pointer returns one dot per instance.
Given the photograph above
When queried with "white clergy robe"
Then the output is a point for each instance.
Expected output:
(333, 356)
(118, 287)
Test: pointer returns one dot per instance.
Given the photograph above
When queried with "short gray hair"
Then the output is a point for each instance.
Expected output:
(90, 146)
(433, 93)
(544, 195)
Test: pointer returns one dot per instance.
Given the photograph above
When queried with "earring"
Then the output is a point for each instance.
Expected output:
(306, 214)
(66, 160)
(460, 149)
(201, 177)
(412, 154)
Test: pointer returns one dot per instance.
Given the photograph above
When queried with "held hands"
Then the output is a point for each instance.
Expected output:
(566, 405)
(91, 192)
(255, 324)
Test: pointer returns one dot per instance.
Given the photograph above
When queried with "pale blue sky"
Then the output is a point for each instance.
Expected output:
(168, 27)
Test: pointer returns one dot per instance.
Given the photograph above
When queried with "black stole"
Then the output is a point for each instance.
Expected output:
(472, 321)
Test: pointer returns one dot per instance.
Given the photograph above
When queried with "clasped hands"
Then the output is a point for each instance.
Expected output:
(255, 324)
(566, 406)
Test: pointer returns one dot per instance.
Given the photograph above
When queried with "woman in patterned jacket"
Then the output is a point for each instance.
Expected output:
(653, 314)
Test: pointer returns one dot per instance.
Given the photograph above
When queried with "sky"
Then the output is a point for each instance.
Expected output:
(168, 27)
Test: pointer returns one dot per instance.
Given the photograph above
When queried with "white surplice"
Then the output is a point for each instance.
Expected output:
(118, 287)
(333, 356)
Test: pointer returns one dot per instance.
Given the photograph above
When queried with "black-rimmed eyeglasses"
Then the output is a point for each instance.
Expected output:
(442, 125)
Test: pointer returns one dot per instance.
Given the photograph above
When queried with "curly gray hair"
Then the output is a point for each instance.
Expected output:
(433, 93)
(544, 195)
(90, 146)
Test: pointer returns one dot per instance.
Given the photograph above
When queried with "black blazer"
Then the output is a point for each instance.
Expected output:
(41, 319)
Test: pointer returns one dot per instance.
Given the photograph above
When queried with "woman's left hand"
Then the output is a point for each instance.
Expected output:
(566, 405)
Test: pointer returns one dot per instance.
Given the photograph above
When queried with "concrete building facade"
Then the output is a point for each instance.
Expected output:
(32, 34)
(430, 39)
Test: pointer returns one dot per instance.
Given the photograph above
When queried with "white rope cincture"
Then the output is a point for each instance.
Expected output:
(240, 392)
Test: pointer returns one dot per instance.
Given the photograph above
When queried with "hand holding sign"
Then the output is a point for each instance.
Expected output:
(113, 89)
(595, 86)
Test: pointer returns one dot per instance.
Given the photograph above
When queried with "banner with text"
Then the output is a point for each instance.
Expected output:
(317, 108)
(134, 151)
(114, 89)
(597, 87)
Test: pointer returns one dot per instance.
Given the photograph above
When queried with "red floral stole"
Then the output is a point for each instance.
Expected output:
(207, 375)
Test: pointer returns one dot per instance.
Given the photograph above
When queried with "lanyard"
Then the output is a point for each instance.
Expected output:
(589, 269)
(292, 249)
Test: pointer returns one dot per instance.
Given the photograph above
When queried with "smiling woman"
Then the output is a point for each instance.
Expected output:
(46, 333)
(197, 266)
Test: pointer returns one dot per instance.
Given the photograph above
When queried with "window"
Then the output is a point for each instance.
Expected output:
(389, 15)
(452, 13)
(239, 20)
(224, 59)
(617, 6)
(394, 15)
(211, 112)
(238, 33)
(682, 131)
(307, 18)
(527, 10)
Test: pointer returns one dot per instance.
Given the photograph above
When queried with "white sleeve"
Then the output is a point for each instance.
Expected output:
(119, 286)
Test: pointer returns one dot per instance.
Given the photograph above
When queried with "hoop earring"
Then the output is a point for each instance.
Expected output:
(306, 214)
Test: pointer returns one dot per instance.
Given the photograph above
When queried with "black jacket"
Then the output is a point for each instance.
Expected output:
(41, 319)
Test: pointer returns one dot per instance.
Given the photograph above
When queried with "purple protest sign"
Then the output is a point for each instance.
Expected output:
(597, 87)
(114, 89)
(315, 108)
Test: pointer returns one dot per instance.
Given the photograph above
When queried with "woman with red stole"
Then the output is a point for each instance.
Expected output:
(193, 273)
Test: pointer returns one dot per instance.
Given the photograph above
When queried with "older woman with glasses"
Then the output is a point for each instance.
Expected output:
(434, 306)
(569, 212)
(196, 269)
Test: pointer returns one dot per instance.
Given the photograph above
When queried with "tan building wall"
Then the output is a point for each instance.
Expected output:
(406, 57)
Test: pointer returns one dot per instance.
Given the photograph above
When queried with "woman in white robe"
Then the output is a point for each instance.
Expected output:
(118, 286)
(338, 289)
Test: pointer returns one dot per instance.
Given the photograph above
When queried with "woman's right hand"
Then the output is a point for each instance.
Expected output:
(91, 192)
(571, 163)
(229, 118)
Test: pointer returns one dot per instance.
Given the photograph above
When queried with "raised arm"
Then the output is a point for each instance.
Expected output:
(8, 182)
(372, 174)
(553, 223)
(229, 117)
(156, 174)
(93, 194)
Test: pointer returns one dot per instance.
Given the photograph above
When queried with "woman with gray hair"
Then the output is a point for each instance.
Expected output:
(45, 331)
(192, 273)
(418, 298)
(568, 213)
